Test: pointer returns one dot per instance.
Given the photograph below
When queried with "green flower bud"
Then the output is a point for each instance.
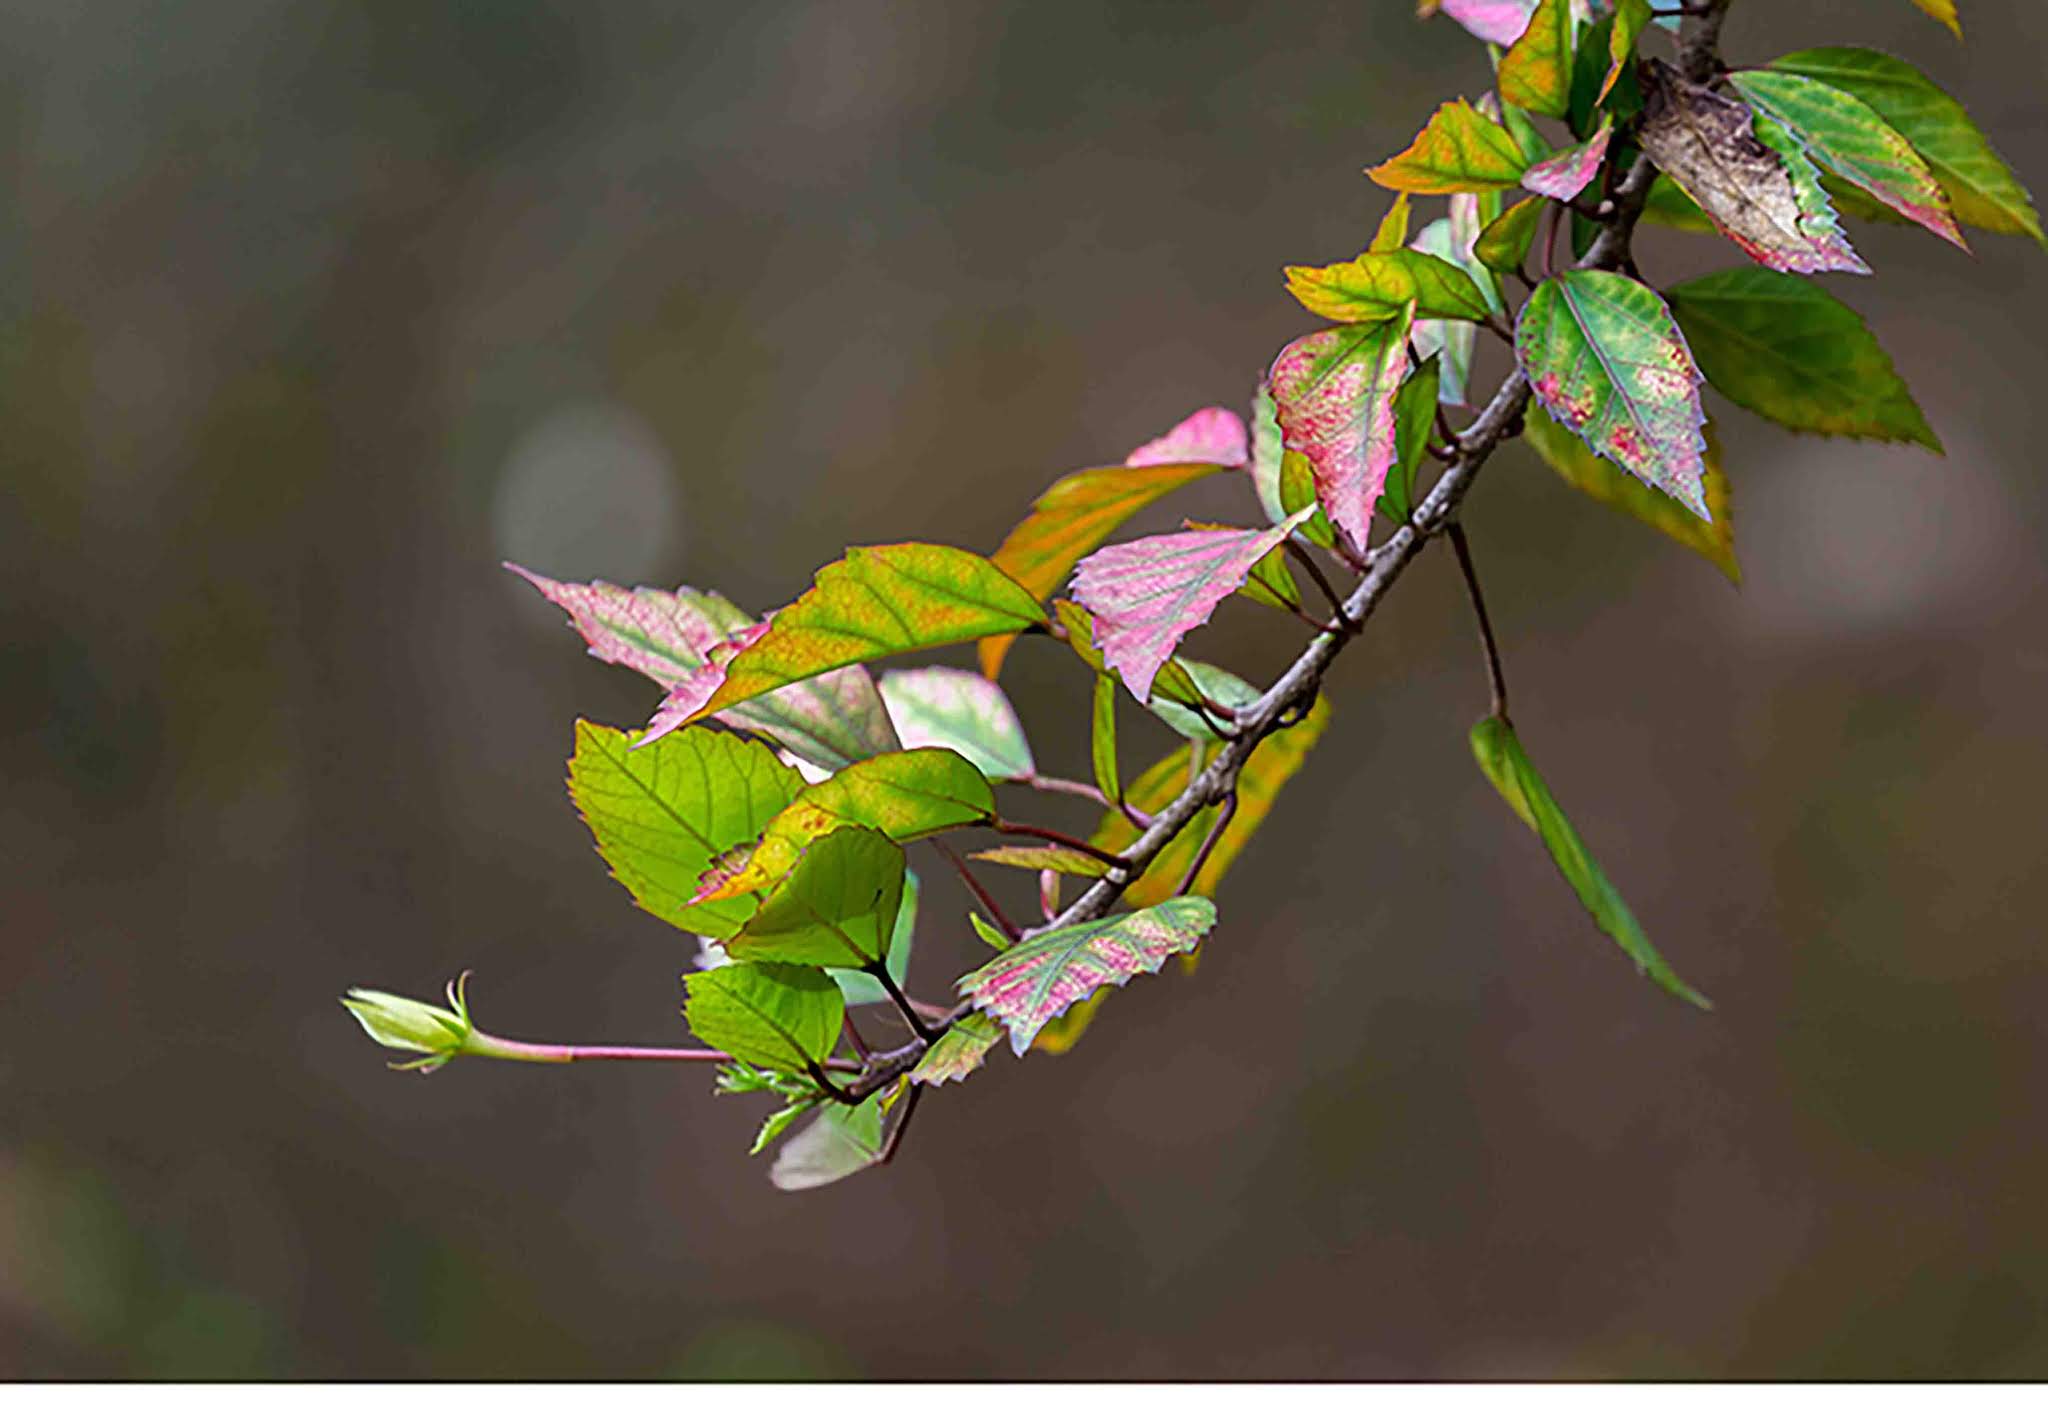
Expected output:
(405, 1024)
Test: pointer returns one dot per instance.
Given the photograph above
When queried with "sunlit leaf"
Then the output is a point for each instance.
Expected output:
(1784, 348)
(1500, 755)
(1213, 435)
(1041, 857)
(837, 907)
(1298, 495)
(1039, 979)
(660, 815)
(1594, 476)
(1505, 242)
(1415, 410)
(673, 638)
(1981, 189)
(780, 1122)
(860, 988)
(908, 795)
(1146, 595)
(839, 1141)
(1536, 72)
(1217, 687)
(991, 935)
(775, 1017)
(1377, 286)
(1843, 132)
(1944, 11)
(1495, 21)
(1746, 173)
(1449, 342)
(961, 711)
(1630, 16)
(959, 1052)
(1528, 137)
(1565, 176)
(1606, 360)
(1266, 454)
(1393, 229)
(1336, 391)
(879, 601)
(1102, 737)
(1461, 150)
(1271, 581)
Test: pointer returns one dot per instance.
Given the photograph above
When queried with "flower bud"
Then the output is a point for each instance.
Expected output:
(406, 1024)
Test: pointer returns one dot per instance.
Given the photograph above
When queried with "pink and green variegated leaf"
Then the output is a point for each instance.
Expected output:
(1146, 595)
(1375, 286)
(1495, 21)
(879, 601)
(662, 635)
(1335, 391)
(961, 711)
(1213, 435)
(1846, 134)
(1607, 361)
(1460, 150)
(1747, 174)
(1039, 979)
(959, 1052)
(1536, 72)
(1567, 175)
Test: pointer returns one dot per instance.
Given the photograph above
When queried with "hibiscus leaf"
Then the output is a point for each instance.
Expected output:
(1536, 72)
(1460, 150)
(1039, 979)
(1415, 410)
(1606, 360)
(773, 1017)
(837, 907)
(660, 815)
(1376, 286)
(860, 988)
(961, 711)
(1602, 481)
(1336, 391)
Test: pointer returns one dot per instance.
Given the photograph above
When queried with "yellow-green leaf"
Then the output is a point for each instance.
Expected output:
(1536, 72)
(1504, 244)
(1393, 231)
(1594, 476)
(1376, 286)
(1043, 857)
(775, 1017)
(1944, 11)
(959, 1052)
(1461, 150)
(838, 907)
(1630, 17)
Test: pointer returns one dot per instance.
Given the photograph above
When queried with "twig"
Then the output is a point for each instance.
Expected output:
(1315, 574)
(498, 1047)
(1065, 840)
(1495, 678)
(981, 894)
(1215, 836)
(902, 1126)
(917, 1023)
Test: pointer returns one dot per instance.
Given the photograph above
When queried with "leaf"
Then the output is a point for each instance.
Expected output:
(1500, 755)
(1414, 417)
(1266, 454)
(1787, 350)
(1146, 595)
(1335, 391)
(672, 637)
(1745, 173)
(775, 1017)
(908, 795)
(1102, 737)
(1630, 16)
(1461, 150)
(1172, 686)
(1594, 476)
(879, 601)
(1450, 341)
(1377, 286)
(1393, 229)
(839, 1142)
(1981, 188)
(1040, 978)
(660, 815)
(1081, 511)
(1298, 495)
(837, 907)
(1504, 244)
(860, 988)
(1606, 360)
(1259, 783)
(1536, 72)
(1217, 686)
(1271, 581)
(1565, 176)
(1495, 21)
(959, 1052)
(778, 1123)
(1528, 138)
(1668, 206)
(1043, 857)
(990, 934)
(1846, 134)
(1944, 11)
(961, 711)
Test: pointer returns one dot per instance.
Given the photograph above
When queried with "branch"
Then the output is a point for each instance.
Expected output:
(1496, 680)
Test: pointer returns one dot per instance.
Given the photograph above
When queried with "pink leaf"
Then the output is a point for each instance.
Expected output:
(662, 635)
(694, 691)
(1212, 435)
(1147, 594)
(1335, 391)
(1495, 21)
(1566, 175)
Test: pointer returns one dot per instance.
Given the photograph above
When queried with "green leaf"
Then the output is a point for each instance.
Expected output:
(774, 1017)
(1044, 857)
(1460, 150)
(1504, 244)
(1414, 417)
(1259, 784)
(1393, 229)
(879, 601)
(1083, 510)
(1668, 206)
(1843, 132)
(1528, 137)
(1536, 72)
(1594, 476)
(1102, 737)
(1040, 978)
(940, 707)
(1605, 359)
(1500, 755)
(1266, 454)
(990, 934)
(1377, 286)
(1630, 17)
(1216, 685)
(1746, 173)
(860, 988)
(1787, 350)
(837, 907)
(1981, 188)
(1271, 582)
(1449, 342)
(1172, 686)
(959, 1052)
(908, 795)
(839, 1141)
(1298, 491)
(660, 815)
(777, 1124)
(1335, 391)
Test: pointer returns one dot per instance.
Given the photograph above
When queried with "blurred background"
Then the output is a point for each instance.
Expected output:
(314, 312)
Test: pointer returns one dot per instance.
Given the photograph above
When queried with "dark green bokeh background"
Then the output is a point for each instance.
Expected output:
(315, 311)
